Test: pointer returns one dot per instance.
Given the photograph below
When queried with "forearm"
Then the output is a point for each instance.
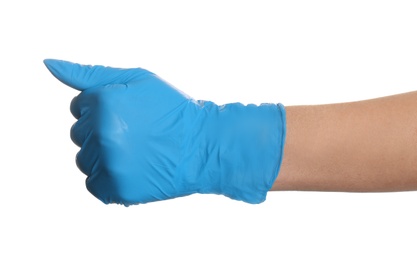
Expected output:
(368, 145)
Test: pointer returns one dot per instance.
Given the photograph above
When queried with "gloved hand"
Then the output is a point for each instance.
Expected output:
(143, 140)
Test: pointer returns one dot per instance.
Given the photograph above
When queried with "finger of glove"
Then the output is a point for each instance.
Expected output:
(103, 188)
(82, 104)
(87, 159)
(79, 131)
(82, 77)
(75, 107)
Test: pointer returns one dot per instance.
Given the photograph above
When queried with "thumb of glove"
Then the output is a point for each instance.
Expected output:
(82, 77)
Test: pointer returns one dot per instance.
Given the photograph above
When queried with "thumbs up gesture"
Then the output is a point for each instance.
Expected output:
(143, 140)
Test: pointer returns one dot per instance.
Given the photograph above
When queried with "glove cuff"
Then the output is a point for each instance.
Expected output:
(234, 150)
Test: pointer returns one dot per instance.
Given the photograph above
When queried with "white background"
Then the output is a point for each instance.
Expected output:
(294, 52)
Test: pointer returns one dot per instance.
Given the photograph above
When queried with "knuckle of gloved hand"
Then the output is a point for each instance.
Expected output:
(82, 163)
(76, 134)
(75, 108)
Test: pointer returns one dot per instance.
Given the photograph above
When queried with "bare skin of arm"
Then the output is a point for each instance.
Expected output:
(364, 146)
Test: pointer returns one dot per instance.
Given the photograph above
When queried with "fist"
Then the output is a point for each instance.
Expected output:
(130, 129)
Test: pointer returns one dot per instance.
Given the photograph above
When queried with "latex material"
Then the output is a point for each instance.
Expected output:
(143, 140)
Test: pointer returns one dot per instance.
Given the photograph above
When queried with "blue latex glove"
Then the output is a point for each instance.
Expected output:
(143, 140)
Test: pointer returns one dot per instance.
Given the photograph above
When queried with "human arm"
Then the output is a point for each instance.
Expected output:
(143, 140)
(364, 146)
